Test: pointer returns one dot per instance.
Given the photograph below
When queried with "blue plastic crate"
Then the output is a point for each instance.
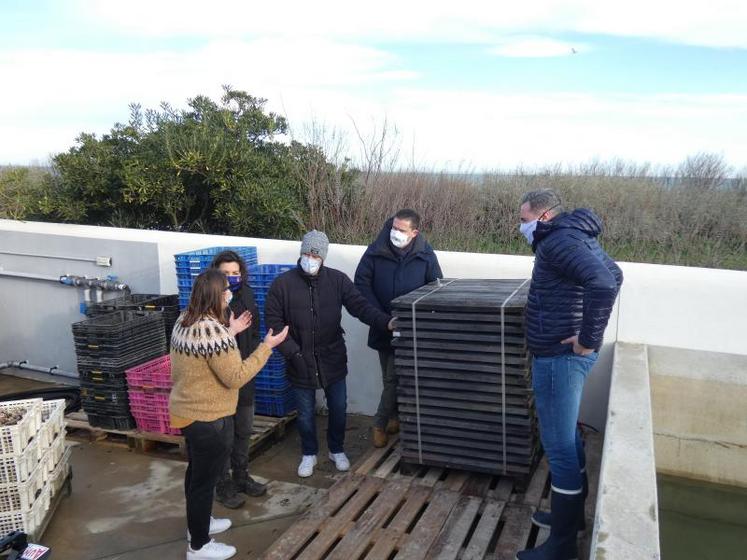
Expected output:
(271, 385)
(269, 270)
(203, 257)
(279, 403)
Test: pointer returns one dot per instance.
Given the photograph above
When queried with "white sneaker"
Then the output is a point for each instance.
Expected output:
(340, 460)
(306, 468)
(211, 551)
(216, 526)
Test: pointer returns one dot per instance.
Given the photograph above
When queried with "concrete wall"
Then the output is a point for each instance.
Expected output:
(37, 315)
(700, 419)
(658, 304)
(626, 523)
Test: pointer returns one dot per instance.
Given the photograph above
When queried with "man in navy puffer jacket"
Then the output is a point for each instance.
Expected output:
(399, 261)
(574, 286)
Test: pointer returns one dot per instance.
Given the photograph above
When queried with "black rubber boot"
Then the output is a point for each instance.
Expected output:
(561, 545)
(247, 485)
(227, 496)
(542, 518)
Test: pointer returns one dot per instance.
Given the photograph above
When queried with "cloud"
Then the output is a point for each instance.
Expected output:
(536, 47)
(718, 23)
(456, 129)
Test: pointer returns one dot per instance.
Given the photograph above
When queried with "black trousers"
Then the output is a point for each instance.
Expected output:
(243, 421)
(208, 448)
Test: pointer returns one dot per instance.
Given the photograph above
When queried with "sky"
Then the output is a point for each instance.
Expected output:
(467, 85)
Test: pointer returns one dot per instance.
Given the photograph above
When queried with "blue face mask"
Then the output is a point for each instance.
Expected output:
(527, 230)
(234, 283)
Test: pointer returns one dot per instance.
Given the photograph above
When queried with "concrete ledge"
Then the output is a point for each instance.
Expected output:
(626, 525)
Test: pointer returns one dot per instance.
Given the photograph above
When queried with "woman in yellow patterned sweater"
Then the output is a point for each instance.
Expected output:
(207, 372)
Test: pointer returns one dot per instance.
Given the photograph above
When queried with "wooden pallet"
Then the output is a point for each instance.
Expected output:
(265, 431)
(377, 512)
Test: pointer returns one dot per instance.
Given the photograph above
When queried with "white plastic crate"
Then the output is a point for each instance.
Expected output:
(52, 421)
(29, 520)
(14, 439)
(59, 475)
(15, 469)
(20, 496)
(53, 455)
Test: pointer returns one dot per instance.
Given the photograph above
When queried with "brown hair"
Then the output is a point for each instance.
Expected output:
(207, 297)
(229, 257)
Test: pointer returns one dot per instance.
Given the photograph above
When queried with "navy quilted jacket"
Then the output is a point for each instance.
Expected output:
(574, 284)
(383, 275)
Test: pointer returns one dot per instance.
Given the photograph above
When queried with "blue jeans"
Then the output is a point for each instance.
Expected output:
(337, 403)
(558, 383)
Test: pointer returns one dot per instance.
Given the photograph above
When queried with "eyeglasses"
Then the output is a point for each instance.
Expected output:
(546, 211)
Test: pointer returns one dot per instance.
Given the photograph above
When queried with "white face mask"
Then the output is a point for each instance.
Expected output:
(310, 265)
(527, 230)
(398, 238)
(228, 297)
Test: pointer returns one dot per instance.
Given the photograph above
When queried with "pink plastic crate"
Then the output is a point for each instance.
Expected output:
(157, 422)
(149, 401)
(155, 374)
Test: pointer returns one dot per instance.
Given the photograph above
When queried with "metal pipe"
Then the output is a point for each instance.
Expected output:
(53, 370)
(71, 280)
(29, 275)
(100, 261)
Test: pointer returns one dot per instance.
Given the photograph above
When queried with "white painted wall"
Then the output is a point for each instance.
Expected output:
(663, 305)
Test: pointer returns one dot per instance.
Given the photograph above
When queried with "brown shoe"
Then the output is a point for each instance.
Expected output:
(392, 427)
(380, 439)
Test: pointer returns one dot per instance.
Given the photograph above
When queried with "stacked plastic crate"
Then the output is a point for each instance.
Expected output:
(34, 464)
(190, 265)
(106, 346)
(274, 396)
(149, 386)
(167, 305)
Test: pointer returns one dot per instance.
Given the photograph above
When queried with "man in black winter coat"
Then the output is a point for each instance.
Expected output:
(238, 481)
(399, 261)
(574, 286)
(309, 299)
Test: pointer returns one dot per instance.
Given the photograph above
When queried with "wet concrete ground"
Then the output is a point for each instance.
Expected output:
(128, 506)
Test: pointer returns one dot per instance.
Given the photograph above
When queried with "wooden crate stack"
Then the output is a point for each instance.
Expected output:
(464, 377)
(34, 462)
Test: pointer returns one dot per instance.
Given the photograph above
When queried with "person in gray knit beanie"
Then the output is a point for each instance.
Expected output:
(315, 243)
(310, 299)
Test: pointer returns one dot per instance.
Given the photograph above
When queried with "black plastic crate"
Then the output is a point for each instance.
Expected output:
(121, 349)
(98, 378)
(134, 302)
(94, 407)
(122, 322)
(111, 422)
(104, 394)
(152, 328)
(121, 363)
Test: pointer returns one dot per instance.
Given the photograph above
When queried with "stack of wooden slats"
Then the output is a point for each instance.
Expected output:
(464, 379)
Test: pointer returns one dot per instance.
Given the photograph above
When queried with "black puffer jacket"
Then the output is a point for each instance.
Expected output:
(312, 306)
(243, 300)
(385, 273)
(574, 284)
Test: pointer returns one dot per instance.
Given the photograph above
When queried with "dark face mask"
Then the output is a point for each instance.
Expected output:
(234, 283)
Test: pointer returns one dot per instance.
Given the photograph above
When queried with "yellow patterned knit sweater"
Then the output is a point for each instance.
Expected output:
(207, 372)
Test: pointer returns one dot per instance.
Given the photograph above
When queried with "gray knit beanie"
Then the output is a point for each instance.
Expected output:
(315, 243)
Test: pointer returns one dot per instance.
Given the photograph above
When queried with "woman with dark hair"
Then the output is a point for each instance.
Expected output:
(207, 372)
(235, 479)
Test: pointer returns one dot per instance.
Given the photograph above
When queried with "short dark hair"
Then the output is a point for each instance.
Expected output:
(543, 199)
(409, 215)
(229, 257)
